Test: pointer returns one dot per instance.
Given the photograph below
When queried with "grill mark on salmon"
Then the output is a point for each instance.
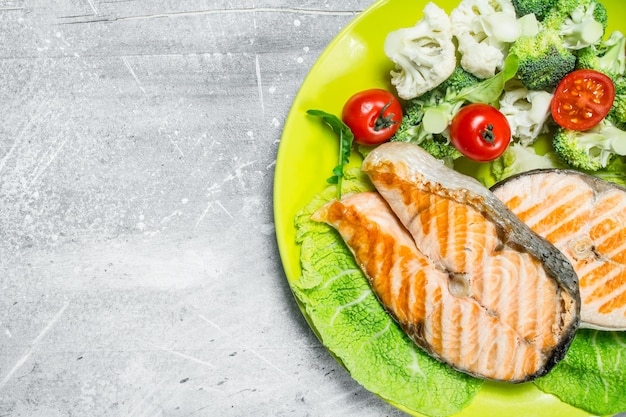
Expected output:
(430, 241)
(584, 217)
(616, 302)
(457, 330)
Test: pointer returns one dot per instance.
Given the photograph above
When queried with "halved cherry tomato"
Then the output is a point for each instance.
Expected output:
(582, 99)
(480, 132)
(373, 115)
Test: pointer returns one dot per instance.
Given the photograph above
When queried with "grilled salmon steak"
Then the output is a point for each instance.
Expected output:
(466, 280)
(584, 217)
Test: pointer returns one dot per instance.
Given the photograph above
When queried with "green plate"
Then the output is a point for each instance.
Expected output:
(354, 61)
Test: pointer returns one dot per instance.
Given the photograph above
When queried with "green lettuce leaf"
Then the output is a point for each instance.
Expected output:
(592, 376)
(354, 326)
(489, 90)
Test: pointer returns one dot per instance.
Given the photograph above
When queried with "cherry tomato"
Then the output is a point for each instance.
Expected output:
(480, 132)
(373, 115)
(582, 99)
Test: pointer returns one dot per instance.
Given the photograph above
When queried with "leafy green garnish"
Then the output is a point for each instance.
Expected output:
(346, 137)
(490, 90)
(357, 329)
(592, 376)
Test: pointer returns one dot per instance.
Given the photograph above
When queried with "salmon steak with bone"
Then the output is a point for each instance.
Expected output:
(467, 281)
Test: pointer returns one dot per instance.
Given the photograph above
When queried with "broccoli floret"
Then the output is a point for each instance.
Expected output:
(441, 148)
(579, 22)
(426, 118)
(615, 171)
(519, 158)
(438, 106)
(590, 150)
(607, 57)
(543, 61)
(410, 129)
(617, 114)
(459, 80)
(537, 7)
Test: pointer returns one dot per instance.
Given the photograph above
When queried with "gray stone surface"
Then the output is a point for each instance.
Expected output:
(139, 272)
(138, 266)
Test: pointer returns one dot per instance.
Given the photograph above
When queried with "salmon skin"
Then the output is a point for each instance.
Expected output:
(585, 218)
(465, 279)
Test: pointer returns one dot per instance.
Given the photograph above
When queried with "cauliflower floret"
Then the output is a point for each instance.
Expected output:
(484, 30)
(424, 54)
(527, 112)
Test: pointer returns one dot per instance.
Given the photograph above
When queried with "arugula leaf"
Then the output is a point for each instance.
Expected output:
(489, 90)
(356, 328)
(592, 375)
(346, 137)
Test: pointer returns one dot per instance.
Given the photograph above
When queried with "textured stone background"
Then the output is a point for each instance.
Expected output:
(139, 272)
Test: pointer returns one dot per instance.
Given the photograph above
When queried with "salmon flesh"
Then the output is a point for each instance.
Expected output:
(465, 279)
(585, 218)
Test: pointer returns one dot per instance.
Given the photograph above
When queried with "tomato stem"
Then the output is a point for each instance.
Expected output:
(487, 134)
(384, 122)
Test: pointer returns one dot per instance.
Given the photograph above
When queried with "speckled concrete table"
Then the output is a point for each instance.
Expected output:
(139, 272)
